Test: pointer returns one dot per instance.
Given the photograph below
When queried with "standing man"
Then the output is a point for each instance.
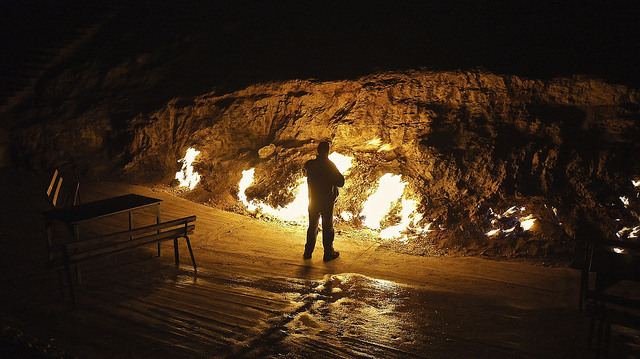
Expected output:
(323, 179)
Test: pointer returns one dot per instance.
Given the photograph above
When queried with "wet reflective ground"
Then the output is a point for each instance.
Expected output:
(131, 313)
(254, 296)
(351, 315)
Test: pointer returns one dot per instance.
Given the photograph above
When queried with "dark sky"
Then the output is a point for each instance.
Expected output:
(238, 42)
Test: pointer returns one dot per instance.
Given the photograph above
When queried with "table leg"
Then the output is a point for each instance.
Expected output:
(76, 235)
(158, 222)
(49, 236)
(130, 223)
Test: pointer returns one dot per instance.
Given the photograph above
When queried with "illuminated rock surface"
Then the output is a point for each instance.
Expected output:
(467, 143)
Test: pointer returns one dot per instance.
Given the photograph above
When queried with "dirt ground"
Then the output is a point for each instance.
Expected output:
(254, 296)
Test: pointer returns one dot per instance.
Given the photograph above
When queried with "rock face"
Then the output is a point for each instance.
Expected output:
(466, 142)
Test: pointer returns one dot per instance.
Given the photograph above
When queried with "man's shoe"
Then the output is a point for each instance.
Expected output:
(332, 256)
(306, 256)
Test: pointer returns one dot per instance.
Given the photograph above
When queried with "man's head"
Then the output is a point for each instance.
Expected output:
(323, 149)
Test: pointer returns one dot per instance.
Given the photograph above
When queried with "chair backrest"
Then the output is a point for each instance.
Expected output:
(54, 191)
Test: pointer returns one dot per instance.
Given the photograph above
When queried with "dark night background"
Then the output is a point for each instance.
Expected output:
(227, 44)
(113, 93)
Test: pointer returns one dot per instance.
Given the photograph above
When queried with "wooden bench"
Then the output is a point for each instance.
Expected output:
(68, 255)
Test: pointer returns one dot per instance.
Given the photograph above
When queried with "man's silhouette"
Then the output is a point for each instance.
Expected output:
(323, 179)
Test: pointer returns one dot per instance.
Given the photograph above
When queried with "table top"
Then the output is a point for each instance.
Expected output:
(101, 208)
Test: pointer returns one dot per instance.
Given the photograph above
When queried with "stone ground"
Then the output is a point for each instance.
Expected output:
(254, 296)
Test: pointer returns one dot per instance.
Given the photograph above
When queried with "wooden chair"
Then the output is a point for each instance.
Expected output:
(57, 196)
(608, 262)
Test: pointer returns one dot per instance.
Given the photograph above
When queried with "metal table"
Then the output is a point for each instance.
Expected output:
(76, 215)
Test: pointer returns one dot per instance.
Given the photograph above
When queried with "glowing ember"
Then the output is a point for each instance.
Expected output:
(187, 177)
(625, 201)
(375, 208)
(635, 183)
(618, 250)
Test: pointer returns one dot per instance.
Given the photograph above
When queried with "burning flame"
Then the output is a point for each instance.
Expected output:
(187, 177)
(295, 211)
(374, 142)
(409, 207)
(385, 148)
(342, 162)
(375, 208)
(390, 189)
(618, 250)
(245, 182)
(628, 232)
(347, 216)
(377, 142)
(526, 222)
(625, 201)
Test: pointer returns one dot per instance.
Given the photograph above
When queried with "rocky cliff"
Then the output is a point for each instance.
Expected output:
(470, 145)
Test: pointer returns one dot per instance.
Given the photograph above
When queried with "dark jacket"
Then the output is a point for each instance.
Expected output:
(323, 179)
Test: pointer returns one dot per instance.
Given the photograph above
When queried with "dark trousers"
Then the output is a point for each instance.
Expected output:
(326, 211)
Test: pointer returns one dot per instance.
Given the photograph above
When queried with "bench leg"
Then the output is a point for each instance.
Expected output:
(158, 222)
(607, 338)
(49, 237)
(130, 223)
(67, 269)
(78, 274)
(193, 259)
(176, 252)
(584, 280)
(592, 326)
(601, 326)
(61, 282)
